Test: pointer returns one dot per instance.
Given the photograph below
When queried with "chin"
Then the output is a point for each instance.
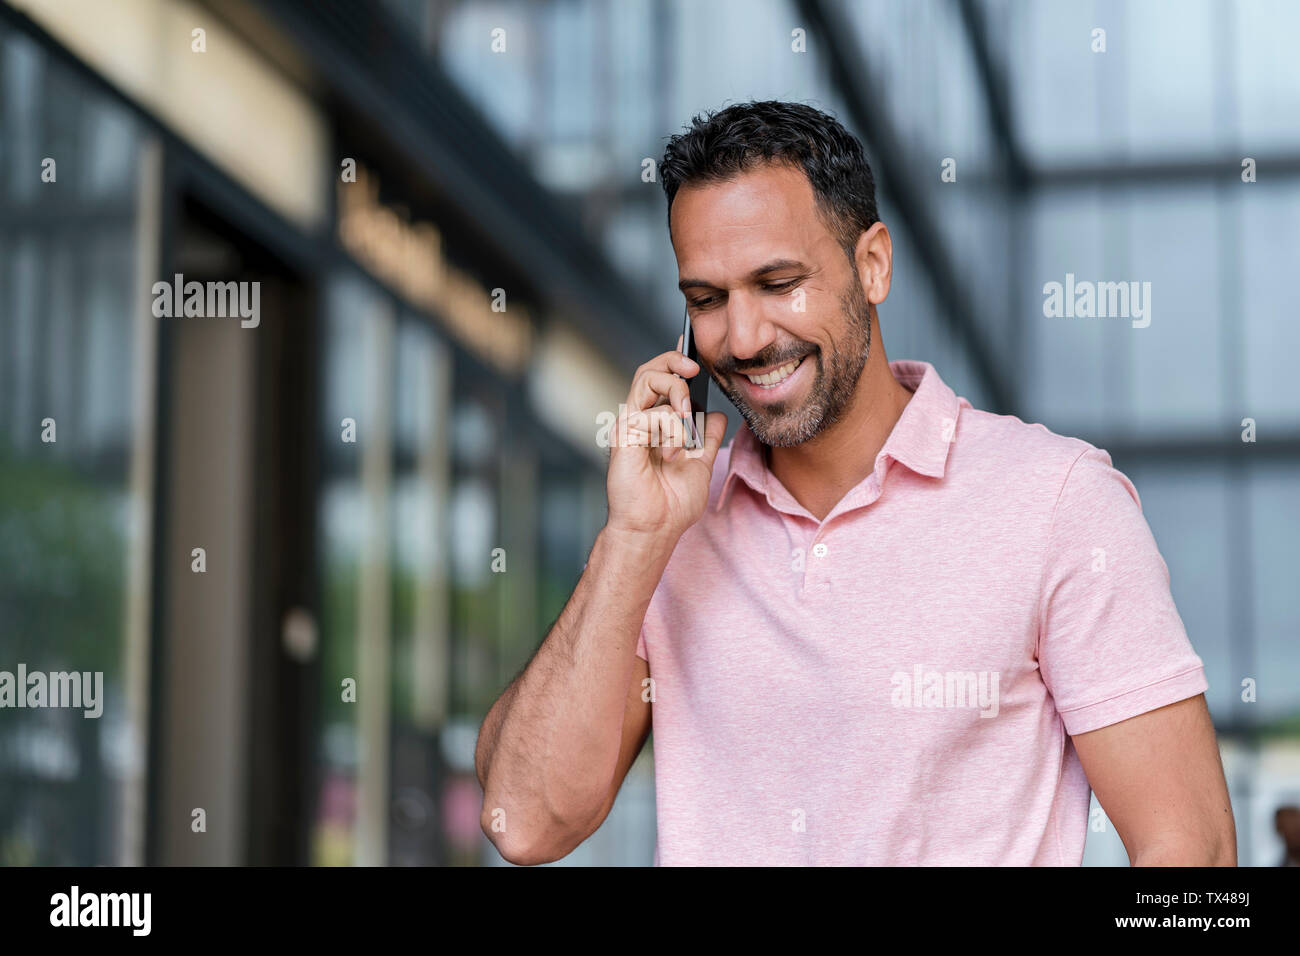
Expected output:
(786, 436)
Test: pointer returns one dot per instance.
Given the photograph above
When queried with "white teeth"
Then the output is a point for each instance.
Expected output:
(774, 377)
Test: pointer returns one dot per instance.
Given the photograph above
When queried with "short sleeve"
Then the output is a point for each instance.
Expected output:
(1111, 644)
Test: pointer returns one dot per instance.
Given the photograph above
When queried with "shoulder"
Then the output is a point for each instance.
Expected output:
(1067, 488)
(1005, 450)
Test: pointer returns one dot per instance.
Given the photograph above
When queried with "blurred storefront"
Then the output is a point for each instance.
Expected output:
(393, 476)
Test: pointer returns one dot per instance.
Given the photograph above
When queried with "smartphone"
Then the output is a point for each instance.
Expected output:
(698, 386)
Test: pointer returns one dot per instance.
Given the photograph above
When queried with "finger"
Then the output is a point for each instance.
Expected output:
(634, 429)
(653, 427)
(667, 432)
(660, 428)
(652, 385)
(715, 428)
(671, 362)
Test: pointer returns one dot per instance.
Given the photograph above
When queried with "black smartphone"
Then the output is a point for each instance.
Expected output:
(698, 386)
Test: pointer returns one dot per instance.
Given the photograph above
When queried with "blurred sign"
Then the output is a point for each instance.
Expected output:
(571, 386)
(180, 62)
(408, 256)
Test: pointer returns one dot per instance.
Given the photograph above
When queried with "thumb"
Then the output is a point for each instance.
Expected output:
(715, 427)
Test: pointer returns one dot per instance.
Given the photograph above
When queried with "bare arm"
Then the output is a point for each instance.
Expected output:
(1159, 778)
(553, 749)
(550, 747)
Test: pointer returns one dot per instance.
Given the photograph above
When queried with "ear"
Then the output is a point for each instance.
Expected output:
(874, 258)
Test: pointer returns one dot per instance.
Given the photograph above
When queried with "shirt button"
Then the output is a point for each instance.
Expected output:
(820, 549)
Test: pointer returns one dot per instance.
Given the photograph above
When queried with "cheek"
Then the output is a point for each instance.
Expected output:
(821, 322)
(710, 338)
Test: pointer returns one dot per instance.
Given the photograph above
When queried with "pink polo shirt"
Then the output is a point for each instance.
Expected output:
(897, 684)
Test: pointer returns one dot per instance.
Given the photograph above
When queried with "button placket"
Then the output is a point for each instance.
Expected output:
(817, 578)
(821, 561)
(797, 558)
(812, 571)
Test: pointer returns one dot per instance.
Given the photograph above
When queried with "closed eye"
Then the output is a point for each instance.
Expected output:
(778, 287)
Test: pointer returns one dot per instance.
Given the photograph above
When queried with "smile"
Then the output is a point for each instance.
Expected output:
(776, 376)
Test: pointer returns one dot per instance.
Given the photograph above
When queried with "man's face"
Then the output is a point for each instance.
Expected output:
(772, 294)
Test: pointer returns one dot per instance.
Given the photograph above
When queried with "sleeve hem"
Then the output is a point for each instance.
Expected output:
(1189, 683)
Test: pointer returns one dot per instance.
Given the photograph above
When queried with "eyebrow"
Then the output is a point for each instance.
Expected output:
(762, 270)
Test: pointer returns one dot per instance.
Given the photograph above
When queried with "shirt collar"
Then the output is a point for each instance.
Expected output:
(920, 440)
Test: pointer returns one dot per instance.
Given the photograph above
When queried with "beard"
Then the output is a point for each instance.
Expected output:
(780, 424)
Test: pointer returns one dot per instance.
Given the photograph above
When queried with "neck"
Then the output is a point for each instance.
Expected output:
(819, 472)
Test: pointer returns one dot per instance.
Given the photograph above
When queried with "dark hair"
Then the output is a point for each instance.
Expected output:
(720, 145)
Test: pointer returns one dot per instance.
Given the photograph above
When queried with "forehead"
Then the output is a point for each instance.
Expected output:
(765, 213)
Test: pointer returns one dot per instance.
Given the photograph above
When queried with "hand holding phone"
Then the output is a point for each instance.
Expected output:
(662, 457)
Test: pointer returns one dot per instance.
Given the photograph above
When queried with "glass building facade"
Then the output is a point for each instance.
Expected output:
(397, 489)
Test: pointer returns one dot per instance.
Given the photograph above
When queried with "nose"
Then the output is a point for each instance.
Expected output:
(749, 330)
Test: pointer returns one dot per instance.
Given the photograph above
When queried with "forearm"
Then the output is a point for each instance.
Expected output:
(1175, 850)
(548, 749)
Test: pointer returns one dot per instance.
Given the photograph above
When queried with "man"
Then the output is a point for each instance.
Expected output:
(882, 627)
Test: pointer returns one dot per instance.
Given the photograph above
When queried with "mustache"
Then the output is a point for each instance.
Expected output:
(772, 359)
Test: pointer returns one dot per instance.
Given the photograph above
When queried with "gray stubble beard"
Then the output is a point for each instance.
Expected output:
(829, 400)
